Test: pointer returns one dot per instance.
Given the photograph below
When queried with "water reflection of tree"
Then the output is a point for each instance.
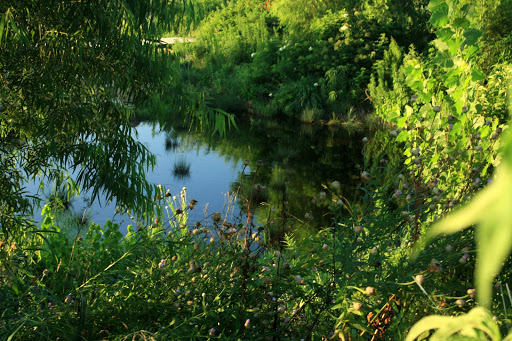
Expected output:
(295, 164)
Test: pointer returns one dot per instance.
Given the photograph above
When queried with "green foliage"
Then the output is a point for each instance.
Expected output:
(230, 33)
(193, 13)
(450, 143)
(296, 16)
(71, 74)
(387, 87)
(215, 279)
(476, 325)
(318, 59)
(65, 101)
(490, 210)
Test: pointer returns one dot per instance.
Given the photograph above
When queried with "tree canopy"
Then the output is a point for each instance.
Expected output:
(70, 72)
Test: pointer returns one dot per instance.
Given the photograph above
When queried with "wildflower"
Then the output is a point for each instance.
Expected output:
(374, 251)
(280, 49)
(316, 84)
(343, 28)
(46, 272)
(357, 306)
(365, 140)
(192, 204)
(358, 229)
(252, 55)
(161, 264)
(247, 323)
(324, 246)
(310, 48)
(471, 293)
(435, 266)
(270, 95)
(419, 279)
(216, 217)
(322, 195)
(365, 176)
(415, 152)
(211, 331)
(345, 15)
(68, 299)
(339, 202)
(460, 303)
(369, 291)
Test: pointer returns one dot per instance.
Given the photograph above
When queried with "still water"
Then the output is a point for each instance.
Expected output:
(208, 181)
(295, 165)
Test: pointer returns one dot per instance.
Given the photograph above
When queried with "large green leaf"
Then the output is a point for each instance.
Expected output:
(476, 325)
(440, 16)
(472, 35)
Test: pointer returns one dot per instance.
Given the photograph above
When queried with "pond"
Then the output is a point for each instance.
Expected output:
(288, 167)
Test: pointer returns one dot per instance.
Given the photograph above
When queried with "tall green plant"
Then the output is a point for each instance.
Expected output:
(449, 144)
(490, 210)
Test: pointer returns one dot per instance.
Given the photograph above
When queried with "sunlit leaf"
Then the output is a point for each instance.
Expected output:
(476, 325)
(440, 16)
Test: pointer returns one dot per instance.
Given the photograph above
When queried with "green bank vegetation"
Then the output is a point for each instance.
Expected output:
(419, 250)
